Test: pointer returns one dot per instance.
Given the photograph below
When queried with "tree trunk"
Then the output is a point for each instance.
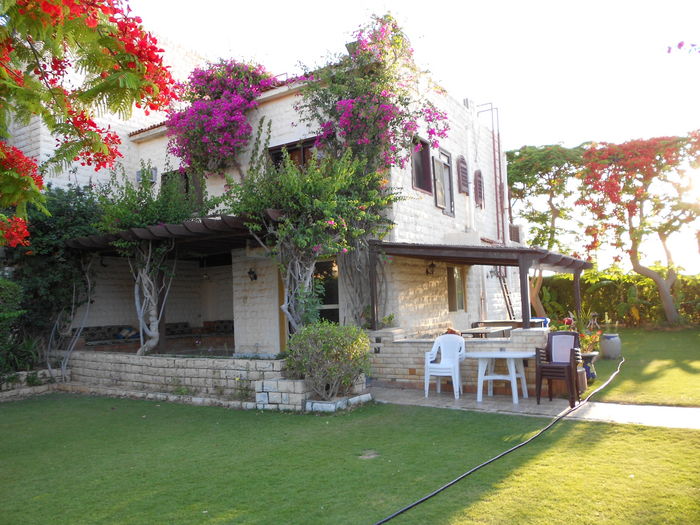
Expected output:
(535, 286)
(662, 285)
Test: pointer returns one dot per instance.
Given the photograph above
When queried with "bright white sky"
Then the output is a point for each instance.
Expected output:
(560, 71)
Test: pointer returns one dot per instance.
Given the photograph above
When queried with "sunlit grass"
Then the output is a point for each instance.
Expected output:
(661, 368)
(83, 460)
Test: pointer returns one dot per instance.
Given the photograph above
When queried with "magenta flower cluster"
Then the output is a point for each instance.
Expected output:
(212, 131)
(384, 120)
(380, 120)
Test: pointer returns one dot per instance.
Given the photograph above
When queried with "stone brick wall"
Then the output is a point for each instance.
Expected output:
(398, 360)
(252, 383)
(224, 378)
(256, 304)
(193, 298)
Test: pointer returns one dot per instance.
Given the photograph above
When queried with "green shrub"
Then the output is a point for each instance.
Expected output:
(19, 354)
(10, 300)
(329, 356)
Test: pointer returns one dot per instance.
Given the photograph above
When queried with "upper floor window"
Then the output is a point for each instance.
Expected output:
(187, 183)
(300, 152)
(442, 173)
(420, 164)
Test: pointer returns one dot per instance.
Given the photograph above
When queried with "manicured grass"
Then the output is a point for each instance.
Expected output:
(660, 368)
(83, 460)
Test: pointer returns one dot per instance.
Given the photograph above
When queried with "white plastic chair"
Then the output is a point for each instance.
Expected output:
(451, 349)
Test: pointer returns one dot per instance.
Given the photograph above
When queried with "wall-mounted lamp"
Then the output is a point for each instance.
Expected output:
(430, 269)
(253, 275)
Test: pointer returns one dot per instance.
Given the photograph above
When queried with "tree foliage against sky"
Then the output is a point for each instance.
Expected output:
(638, 189)
(64, 61)
(541, 180)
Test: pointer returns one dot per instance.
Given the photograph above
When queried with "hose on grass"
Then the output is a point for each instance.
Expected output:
(505, 453)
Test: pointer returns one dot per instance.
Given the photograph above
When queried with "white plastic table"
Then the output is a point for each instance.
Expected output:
(514, 362)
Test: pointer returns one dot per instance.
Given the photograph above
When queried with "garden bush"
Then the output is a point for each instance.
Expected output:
(10, 301)
(627, 298)
(329, 356)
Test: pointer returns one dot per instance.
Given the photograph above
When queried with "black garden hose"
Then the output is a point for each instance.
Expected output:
(499, 456)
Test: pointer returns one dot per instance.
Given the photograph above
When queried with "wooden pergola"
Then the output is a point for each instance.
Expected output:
(207, 236)
(522, 257)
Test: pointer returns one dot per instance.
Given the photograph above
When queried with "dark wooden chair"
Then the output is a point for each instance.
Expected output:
(558, 360)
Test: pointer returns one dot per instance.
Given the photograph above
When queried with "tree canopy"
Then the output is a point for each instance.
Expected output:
(64, 61)
(541, 180)
(636, 189)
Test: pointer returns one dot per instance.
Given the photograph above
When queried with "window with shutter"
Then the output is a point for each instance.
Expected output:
(442, 180)
(151, 176)
(300, 152)
(478, 189)
(420, 166)
(462, 175)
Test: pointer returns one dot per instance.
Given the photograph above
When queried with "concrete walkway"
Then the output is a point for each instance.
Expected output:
(648, 415)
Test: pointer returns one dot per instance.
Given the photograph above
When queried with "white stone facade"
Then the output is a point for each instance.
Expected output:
(417, 301)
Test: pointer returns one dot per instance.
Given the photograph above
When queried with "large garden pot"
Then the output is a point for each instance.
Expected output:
(610, 346)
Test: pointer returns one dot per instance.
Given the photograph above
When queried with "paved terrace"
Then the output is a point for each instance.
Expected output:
(648, 415)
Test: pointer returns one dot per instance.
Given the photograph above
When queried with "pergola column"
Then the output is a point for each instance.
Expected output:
(577, 291)
(373, 286)
(524, 264)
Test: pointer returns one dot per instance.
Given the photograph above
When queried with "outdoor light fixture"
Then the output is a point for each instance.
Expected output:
(430, 269)
(253, 275)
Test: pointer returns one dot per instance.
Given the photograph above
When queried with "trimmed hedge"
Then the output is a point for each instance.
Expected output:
(626, 298)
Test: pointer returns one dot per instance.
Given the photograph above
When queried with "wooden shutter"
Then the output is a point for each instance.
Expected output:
(478, 189)
(462, 175)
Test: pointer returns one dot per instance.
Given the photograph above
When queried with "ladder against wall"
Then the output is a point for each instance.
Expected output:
(502, 278)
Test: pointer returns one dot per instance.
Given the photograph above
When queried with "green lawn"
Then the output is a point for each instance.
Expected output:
(660, 368)
(84, 460)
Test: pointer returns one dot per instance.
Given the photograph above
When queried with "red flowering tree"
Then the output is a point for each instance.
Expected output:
(635, 190)
(60, 61)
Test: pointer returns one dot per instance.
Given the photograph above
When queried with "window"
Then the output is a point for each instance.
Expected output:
(188, 183)
(478, 189)
(456, 293)
(152, 176)
(442, 174)
(420, 164)
(326, 273)
(299, 152)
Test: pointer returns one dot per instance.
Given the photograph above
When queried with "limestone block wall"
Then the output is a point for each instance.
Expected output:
(232, 378)
(256, 304)
(419, 301)
(399, 361)
(113, 302)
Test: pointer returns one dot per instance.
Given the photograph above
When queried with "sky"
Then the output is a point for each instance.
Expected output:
(559, 72)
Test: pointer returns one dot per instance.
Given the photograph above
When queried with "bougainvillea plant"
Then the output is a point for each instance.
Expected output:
(370, 100)
(301, 214)
(62, 61)
(636, 189)
(209, 134)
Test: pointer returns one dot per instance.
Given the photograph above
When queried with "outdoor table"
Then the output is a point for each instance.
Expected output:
(514, 362)
(485, 331)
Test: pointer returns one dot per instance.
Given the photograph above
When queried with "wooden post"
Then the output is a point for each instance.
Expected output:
(577, 292)
(524, 264)
(373, 286)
